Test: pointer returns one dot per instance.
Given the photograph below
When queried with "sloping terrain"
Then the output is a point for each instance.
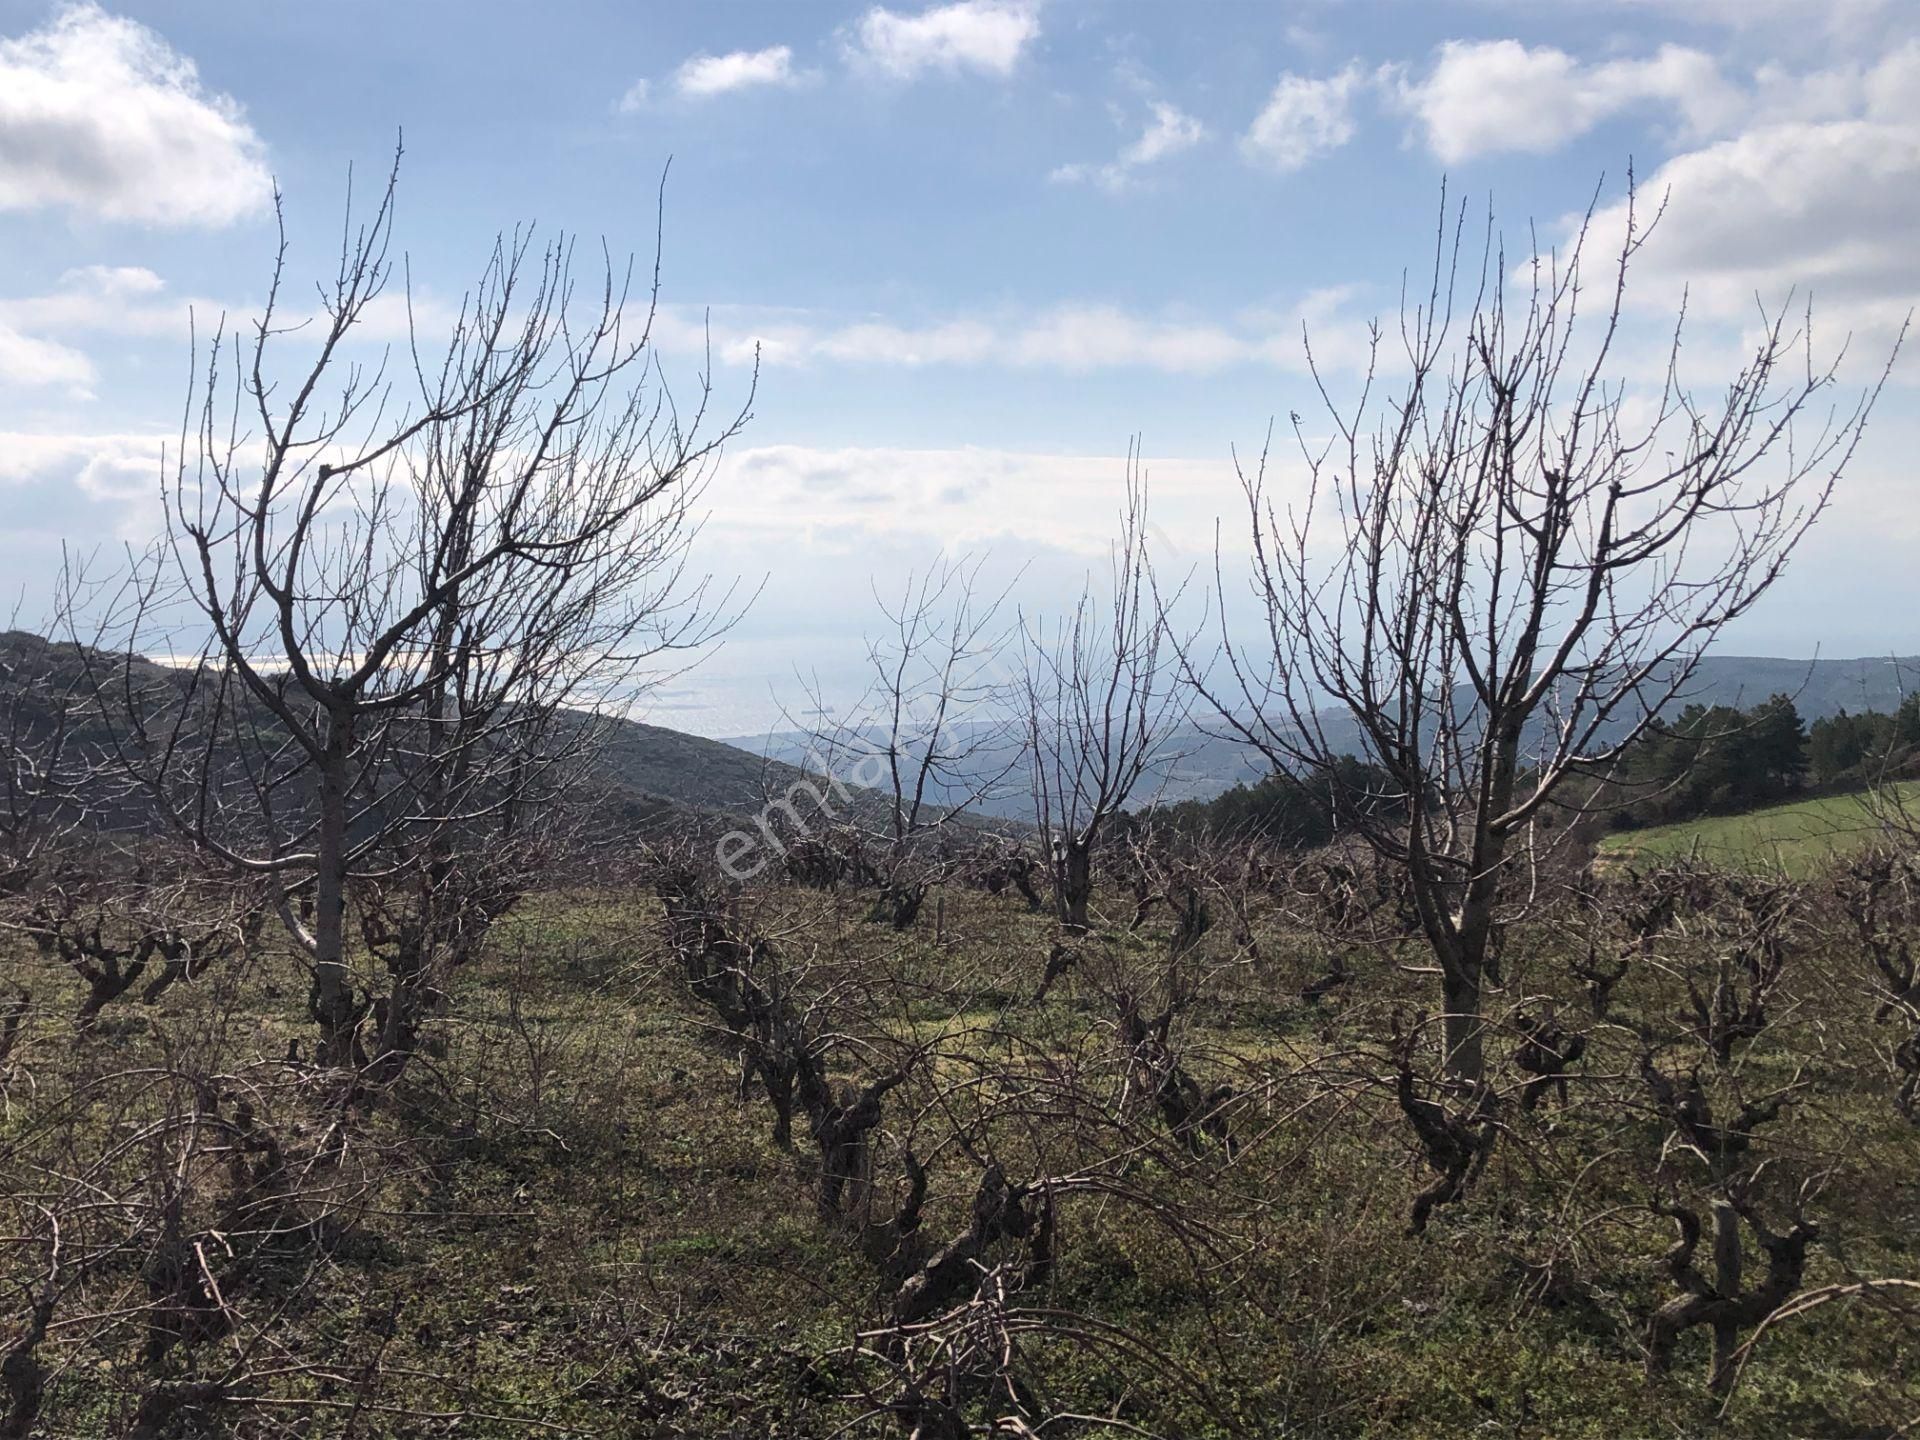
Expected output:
(1199, 763)
(1796, 837)
(640, 766)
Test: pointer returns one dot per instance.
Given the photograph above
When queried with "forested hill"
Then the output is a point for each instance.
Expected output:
(647, 762)
(1203, 765)
(689, 770)
(733, 776)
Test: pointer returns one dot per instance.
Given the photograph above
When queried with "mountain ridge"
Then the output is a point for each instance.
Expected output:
(1202, 764)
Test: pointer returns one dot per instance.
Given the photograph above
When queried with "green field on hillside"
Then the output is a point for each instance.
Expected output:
(1797, 838)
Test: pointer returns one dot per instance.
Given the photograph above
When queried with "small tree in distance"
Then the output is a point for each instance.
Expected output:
(931, 732)
(1099, 709)
(1504, 566)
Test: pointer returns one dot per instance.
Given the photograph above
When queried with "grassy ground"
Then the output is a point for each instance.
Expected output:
(1797, 839)
(575, 1223)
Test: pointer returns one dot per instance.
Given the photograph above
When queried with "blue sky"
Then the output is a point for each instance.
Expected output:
(979, 244)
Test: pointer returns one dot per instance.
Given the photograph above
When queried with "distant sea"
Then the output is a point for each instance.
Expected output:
(748, 688)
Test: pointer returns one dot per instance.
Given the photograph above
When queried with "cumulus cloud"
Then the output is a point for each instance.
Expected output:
(960, 342)
(102, 467)
(107, 299)
(36, 331)
(1801, 182)
(100, 116)
(1822, 204)
(117, 281)
(81, 487)
(1303, 119)
(1170, 130)
(133, 301)
(1098, 337)
(1482, 97)
(988, 36)
(25, 360)
(705, 75)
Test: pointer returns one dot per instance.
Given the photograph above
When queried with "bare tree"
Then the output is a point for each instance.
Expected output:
(116, 918)
(167, 1260)
(931, 730)
(397, 608)
(53, 780)
(1717, 1121)
(55, 794)
(1505, 565)
(1099, 709)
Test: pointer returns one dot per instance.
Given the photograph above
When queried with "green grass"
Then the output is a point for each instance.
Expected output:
(1798, 838)
(577, 1224)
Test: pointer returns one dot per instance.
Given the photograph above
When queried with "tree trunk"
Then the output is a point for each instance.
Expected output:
(1463, 1027)
(420, 962)
(414, 963)
(1073, 873)
(332, 1001)
(1726, 1280)
(1463, 963)
(401, 1016)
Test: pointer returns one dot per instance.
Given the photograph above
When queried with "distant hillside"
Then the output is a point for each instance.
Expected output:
(731, 776)
(1200, 764)
(1820, 687)
(648, 771)
(705, 774)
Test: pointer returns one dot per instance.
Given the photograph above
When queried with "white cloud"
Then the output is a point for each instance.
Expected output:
(25, 360)
(82, 487)
(122, 281)
(636, 97)
(1169, 132)
(36, 330)
(988, 36)
(1825, 206)
(956, 342)
(706, 75)
(1303, 119)
(1341, 337)
(1098, 337)
(1787, 182)
(131, 300)
(1076, 339)
(1482, 97)
(956, 498)
(108, 299)
(100, 116)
